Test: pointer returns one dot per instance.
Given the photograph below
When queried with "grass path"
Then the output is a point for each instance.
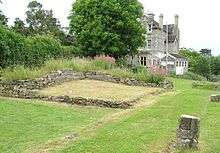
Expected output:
(89, 130)
(151, 129)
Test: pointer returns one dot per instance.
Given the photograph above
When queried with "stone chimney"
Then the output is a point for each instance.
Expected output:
(161, 21)
(176, 20)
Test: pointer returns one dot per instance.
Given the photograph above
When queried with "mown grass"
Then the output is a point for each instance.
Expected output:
(25, 125)
(76, 64)
(151, 129)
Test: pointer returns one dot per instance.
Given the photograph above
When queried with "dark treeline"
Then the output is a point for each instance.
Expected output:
(35, 40)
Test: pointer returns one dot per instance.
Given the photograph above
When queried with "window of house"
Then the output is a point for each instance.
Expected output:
(149, 43)
(185, 64)
(150, 27)
(177, 63)
(143, 61)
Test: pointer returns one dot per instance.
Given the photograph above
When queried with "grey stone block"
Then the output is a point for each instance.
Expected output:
(188, 132)
(215, 98)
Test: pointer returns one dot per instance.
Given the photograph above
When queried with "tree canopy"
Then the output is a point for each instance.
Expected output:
(110, 27)
(202, 64)
(41, 21)
(3, 18)
(19, 27)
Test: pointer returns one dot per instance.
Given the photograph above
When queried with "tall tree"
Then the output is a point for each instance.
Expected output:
(3, 18)
(107, 27)
(19, 27)
(41, 21)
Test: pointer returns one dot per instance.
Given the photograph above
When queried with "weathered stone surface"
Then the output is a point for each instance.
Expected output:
(188, 132)
(215, 98)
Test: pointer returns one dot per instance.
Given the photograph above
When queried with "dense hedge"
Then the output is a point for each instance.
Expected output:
(41, 48)
(16, 49)
(12, 48)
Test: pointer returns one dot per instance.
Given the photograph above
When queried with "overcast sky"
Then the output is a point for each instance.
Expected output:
(199, 19)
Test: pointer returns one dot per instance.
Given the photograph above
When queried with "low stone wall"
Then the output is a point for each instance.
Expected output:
(215, 98)
(26, 88)
(206, 85)
(89, 102)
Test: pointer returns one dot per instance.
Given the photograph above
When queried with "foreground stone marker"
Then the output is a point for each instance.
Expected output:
(215, 98)
(188, 132)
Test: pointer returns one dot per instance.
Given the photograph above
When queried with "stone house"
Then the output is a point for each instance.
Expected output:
(162, 44)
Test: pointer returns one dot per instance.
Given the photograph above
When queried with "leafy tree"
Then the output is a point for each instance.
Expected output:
(215, 65)
(206, 52)
(198, 63)
(108, 27)
(19, 27)
(41, 21)
(3, 18)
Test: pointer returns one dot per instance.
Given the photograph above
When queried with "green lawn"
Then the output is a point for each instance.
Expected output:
(26, 125)
(149, 128)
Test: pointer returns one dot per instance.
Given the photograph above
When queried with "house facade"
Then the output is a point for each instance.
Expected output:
(162, 49)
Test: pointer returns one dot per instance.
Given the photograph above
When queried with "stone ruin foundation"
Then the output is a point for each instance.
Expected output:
(188, 132)
(215, 98)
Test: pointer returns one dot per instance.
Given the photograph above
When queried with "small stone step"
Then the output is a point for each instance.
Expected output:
(215, 98)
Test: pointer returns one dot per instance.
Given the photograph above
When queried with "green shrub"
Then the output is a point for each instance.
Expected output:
(206, 85)
(69, 52)
(16, 49)
(12, 48)
(41, 48)
(190, 76)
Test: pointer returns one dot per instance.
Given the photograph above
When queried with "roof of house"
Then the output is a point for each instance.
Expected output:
(177, 56)
(174, 56)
